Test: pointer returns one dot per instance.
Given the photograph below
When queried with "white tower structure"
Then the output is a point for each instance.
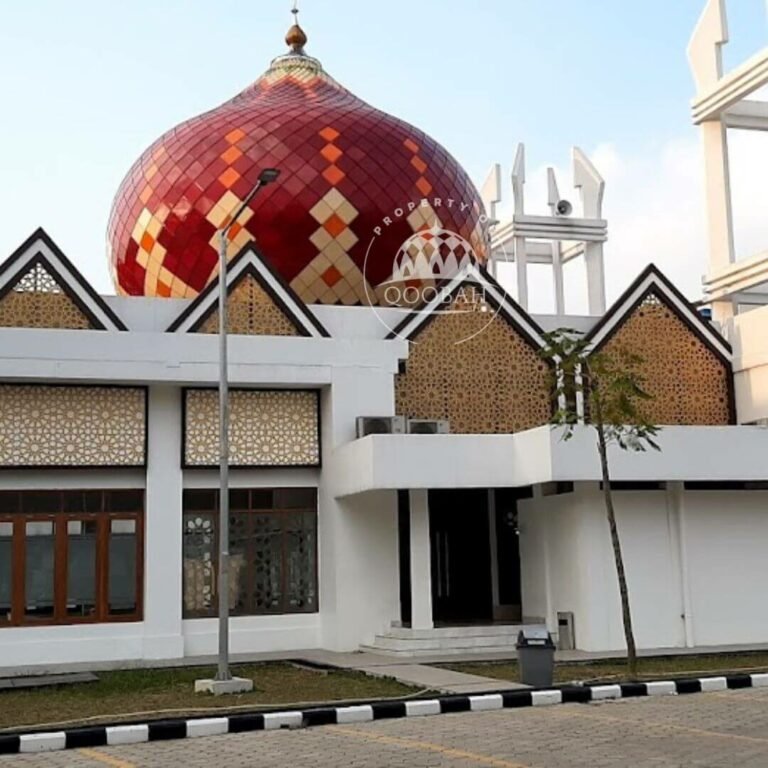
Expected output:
(555, 239)
(723, 103)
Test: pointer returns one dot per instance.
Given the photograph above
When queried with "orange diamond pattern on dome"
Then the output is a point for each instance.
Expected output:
(332, 273)
(230, 155)
(329, 134)
(334, 225)
(229, 177)
(234, 136)
(333, 174)
(331, 153)
(422, 184)
(424, 217)
(331, 276)
(345, 168)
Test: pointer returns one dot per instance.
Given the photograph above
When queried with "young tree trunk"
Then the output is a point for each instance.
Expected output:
(617, 555)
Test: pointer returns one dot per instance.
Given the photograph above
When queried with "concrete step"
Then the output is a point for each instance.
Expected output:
(503, 650)
(492, 630)
(439, 644)
(446, 641)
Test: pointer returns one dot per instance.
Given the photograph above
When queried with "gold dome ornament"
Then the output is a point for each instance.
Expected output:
(296, 38)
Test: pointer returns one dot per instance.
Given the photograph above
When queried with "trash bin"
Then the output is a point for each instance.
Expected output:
(536, 657)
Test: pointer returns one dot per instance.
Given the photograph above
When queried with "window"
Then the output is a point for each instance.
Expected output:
(273, 552)
(70, 556)
(6, 568)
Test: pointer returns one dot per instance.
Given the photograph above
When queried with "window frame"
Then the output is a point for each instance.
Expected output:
(103, 518)
(284, 514)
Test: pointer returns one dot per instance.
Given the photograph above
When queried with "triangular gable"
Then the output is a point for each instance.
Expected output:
(653, 281)
(41, 288)
(249, 271)
(472, 274)
(481, 371)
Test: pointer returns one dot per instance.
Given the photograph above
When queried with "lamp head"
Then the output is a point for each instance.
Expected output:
(268, 175)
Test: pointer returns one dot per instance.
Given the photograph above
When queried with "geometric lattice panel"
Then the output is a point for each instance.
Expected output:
(199, 562)
(266, 428)
(688, 382)
(72, 426)
(37, 301)
(251, 311)
(493, 382)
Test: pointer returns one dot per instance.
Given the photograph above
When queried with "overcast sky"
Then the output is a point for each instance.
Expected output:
(85, 86)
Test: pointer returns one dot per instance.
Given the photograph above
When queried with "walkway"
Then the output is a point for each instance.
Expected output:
(411, 673)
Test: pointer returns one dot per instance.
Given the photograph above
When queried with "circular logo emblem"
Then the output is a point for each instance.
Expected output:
(434, 271)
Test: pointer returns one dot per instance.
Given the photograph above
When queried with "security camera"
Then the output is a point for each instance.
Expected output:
(563, 208)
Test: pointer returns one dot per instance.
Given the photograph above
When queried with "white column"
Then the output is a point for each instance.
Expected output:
(719, 208)
(557, 276)
(421, 561)
(550, 619)
(521, 265)
(357, 538)
(593, 257)
(162, 529)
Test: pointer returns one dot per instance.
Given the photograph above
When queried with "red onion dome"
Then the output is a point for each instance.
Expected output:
(355, 185)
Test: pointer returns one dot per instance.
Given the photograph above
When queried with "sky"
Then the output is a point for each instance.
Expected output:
(86, 86)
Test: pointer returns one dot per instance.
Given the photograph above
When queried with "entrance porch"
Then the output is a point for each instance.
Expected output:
(692, 520)
(460, 575)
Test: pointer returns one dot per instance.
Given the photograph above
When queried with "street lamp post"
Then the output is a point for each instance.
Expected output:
(223, 675)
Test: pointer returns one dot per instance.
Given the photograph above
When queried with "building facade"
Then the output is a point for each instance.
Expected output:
(409, 543)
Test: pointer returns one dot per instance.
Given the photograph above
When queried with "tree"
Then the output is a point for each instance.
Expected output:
(611, 389)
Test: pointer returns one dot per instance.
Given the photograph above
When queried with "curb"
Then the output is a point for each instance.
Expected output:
(165, 730)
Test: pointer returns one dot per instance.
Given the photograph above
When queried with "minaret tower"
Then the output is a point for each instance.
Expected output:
(723, 103)
(555, 239)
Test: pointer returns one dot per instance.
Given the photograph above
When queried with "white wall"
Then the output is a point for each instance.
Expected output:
(695, 562)
(163, 527)
(145, 313)
(727, 546)
(555, 566)
(253, 634)
(569, 535)
(358, 556)
(537, 520)
(42, 647)
(367, 571)
(540, 455)
(186, 358)
(747, 333)
(71, 479)
(652, 567)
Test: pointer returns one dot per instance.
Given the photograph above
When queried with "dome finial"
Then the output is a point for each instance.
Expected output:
(296, 38)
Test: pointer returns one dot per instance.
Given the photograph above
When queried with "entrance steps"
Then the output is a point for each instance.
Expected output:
(446, 641)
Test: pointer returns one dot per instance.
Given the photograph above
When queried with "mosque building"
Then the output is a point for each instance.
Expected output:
(396, 483)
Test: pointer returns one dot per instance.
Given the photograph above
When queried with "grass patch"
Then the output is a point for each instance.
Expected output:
(612, 670)
(156, 693)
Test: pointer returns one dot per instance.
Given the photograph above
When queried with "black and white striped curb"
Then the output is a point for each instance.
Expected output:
(164, 730)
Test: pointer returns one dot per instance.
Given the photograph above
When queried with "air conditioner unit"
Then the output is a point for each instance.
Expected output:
(428, 427)
(380, 425)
